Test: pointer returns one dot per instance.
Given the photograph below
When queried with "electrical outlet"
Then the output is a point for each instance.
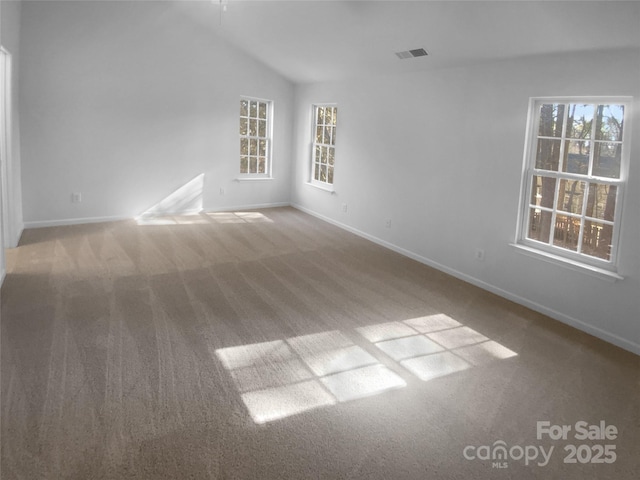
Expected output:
(344, 207)
(76, 197)
(479, 254)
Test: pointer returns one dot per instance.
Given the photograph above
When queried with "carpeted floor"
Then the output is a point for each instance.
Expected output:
(271, 345)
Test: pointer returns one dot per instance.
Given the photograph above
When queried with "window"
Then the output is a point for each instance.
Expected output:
(576, 163)
(324, 144)
(255, 137)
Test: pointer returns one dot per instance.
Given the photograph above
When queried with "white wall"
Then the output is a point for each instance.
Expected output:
(10, 13)
(440, 154)
(125, 102)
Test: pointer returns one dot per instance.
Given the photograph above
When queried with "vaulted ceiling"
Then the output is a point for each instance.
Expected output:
(309, 41)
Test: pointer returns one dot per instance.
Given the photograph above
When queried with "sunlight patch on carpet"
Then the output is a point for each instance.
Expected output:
(434, 346)
(362, 382)
(433, 366)
(281, 378)
(280, 402)
(238, 217)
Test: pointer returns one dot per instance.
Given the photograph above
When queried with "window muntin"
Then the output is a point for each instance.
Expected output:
(576, 170)
(324, 143)
(255, 137)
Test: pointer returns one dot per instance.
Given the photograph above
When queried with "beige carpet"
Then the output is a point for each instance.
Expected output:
(271, 345)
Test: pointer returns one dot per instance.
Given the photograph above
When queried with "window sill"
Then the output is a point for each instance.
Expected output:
(253, 179)
(568, 263)
(328, 188)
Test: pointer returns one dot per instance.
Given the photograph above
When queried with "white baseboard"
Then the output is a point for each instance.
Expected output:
(257, 206)
(72, 221)
(81, 220)
(15, 236)
(18, 236)
(561, 317)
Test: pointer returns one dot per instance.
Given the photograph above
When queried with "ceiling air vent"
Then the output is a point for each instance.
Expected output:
(418, 52)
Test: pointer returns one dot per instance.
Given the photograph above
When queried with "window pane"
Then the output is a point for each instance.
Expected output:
(332, 155)
(244, 164)
(253, 127)
(262, 148)
(316, 157)
(330, 175)
(539, 225)
(609, 122)
(243, 126)
(335, 115)
(244, 108)
(253, 164)
(548, 154)
(566, 232)
(570, 196)
(606, 159)
(576, 157)
(601, 202)
(323, 173)
(262, 165)
(551, 117)
(323, 155)
(319, 131)
(244, 146)
(262, 110)
(333, 135)
(262, 128)
(253, 109)
(253, 147)
(596, 239)
(316, 174)
(543, 189)
(320, 118)
(580, 121)
(327, 135)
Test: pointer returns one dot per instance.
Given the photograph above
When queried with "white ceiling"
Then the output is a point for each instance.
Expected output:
(309, 41)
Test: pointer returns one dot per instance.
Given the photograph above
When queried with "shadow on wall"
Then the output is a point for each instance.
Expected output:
(185, 200)
(284, 377)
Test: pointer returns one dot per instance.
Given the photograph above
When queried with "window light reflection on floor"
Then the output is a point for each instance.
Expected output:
(186, 219)
(238, 217)
(199, 218)
(280, 402)
(285, 377)
(434, 346)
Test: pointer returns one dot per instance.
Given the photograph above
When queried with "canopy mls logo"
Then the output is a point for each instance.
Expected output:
(499, 453)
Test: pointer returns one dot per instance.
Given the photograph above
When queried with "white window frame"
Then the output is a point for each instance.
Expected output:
(315, 144)
(557, 254)
(268, 138)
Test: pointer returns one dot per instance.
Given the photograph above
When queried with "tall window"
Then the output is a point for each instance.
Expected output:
(324, 143)
(576, 162)
(255, 137)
